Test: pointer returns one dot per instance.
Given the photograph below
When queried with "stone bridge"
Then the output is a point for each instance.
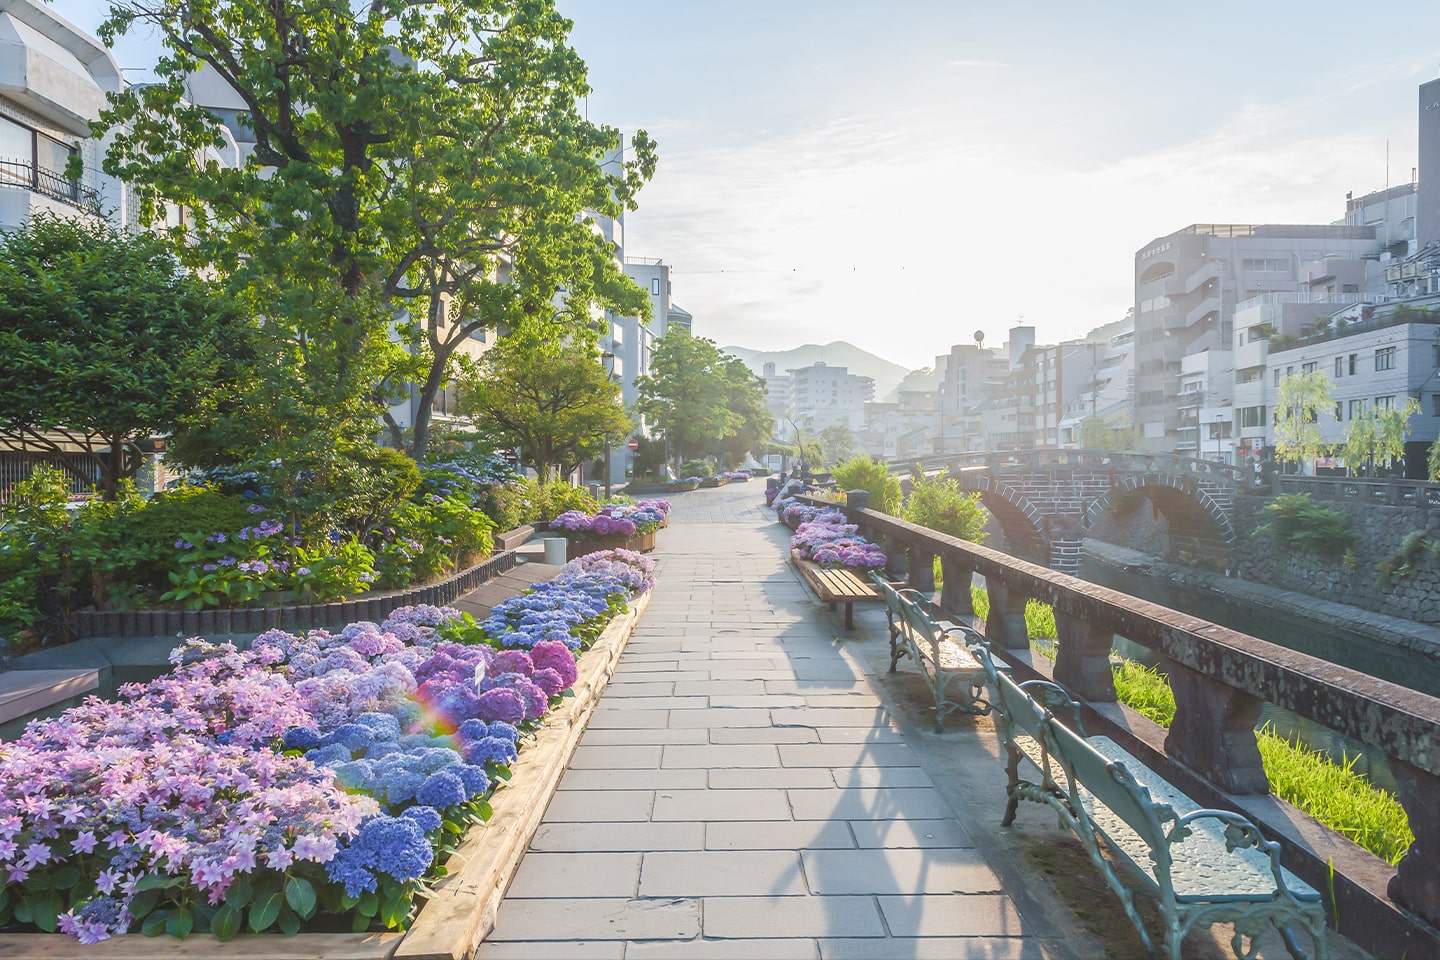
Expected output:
(1046, 500)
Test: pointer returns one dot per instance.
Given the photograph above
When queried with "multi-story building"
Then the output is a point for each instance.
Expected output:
(53, 82)
(1377, 357)
(969, 374)
(1187, 285)
(1110, 396)
(1062, 374)
(819, 396)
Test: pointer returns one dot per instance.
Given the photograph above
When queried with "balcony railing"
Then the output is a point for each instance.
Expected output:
(50, 184)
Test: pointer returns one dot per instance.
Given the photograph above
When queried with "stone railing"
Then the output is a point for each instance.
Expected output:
(1393, 493)
(1220, 678)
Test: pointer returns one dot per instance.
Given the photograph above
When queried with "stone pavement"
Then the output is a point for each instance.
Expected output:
(741, 791)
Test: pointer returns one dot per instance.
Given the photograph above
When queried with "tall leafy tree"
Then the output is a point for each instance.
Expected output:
(106, 342)
(545, 393)
(417, 159)
(839, 443)
(754, 424)
(686, 395)
(1299, 402)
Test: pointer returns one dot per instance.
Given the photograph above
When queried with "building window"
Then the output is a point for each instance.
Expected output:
(30, 158)
(655, 286)
(1277, 376)
(1339, 412)
(1252, 417)
(1352, 363)
(1358, 408)
(1384, 403)
(1435, 404)
(1385, 358)
(1339, 367)
(1308, 367)
(1266, 265)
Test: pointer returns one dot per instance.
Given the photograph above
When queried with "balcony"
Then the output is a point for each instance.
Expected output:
(48, 183)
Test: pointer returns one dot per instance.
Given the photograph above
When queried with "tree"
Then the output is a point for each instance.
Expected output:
(686, 394)
(1298, 404)
(754, 423)
(939, 503)
(839, 443)
(547, 394)
(107, 342)
(1378, 436)
(419, 159)
(1096, 433)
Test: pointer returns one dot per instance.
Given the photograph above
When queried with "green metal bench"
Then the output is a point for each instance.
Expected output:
(938, 648)
(1204, 866)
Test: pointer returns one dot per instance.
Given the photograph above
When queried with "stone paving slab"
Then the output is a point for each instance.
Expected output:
(743, 792)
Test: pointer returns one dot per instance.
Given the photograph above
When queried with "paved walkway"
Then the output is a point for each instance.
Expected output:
(742, 792)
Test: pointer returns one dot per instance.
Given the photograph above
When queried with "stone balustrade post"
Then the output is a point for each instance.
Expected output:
(1082, 660)
(1416, 883)
(1213, 732)
(955, 589)
(922, 568)
(896, 554)
(1005, 623)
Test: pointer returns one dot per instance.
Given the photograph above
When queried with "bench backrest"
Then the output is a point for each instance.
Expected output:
(1020, 710)
(1110, 782)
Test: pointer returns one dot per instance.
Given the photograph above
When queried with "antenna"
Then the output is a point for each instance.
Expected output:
(980, 339)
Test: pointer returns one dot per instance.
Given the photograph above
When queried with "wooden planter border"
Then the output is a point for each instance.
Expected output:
(453, 923)
(305, 616)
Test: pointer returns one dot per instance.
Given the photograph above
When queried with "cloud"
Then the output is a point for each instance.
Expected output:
(966, 64)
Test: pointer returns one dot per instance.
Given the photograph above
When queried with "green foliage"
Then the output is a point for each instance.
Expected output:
(1432, 462)
(37, 568)
(547, 394)
(1299, 402)
(939, 504)
(380, 480)
(552, 498)
(1332, 793)
(838, 443)
(1415, 548)
(872, 476)
(426, 157)
(107, 343)
(1336, 795)
(746, 400)
(1300, 524)
(1097, 433)
(135, 544)
(688, 392)
(697, 468)
(1378, 437)
(1145, 690)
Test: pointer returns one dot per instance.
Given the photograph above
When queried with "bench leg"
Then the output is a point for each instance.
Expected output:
(849, 615)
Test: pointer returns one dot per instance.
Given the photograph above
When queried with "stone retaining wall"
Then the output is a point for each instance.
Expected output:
(168, 623)
(1379, 532)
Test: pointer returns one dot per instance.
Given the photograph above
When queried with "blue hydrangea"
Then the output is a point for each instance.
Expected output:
(426, 818)
(473, 778)
(443, 789)
(353, 736)
(382, 725)
(329, 756)
(490, 750)
(390, 845)
(301, 738)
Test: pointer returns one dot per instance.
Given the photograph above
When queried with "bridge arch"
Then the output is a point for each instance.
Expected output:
(1020, 520)
(1193, 515)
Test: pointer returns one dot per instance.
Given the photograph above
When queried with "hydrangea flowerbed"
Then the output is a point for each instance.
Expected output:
(828, 540)
(613, 519)
(313, 781)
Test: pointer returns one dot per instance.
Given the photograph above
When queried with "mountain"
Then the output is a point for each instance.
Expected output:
(886, 375)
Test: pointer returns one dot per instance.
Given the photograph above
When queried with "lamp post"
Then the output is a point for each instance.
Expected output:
(1219, 438)
(608, 360)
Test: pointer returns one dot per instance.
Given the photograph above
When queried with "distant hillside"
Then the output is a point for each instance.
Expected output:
(886, 375)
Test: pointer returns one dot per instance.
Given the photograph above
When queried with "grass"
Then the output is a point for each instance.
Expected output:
(1332, 793)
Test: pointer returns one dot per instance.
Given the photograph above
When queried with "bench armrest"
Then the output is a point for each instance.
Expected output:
(968, 635)
(1240, 832)
(1052, 698)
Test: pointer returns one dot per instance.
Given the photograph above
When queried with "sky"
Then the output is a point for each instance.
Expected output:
(901, 174)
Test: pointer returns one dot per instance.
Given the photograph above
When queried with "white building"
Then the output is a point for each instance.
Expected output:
(53, 82)
(821, 396)
(1377, 357)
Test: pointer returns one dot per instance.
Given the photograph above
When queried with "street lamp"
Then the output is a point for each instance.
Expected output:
(608, 361)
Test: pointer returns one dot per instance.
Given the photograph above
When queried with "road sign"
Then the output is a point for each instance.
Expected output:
(633, 444)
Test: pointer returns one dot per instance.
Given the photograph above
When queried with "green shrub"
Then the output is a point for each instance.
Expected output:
(554, 497)
(135, 545)
(939, 504)
(872, 476)
(37, 568)
(697, 468)
(508, 505)
(379, 480)
(1299, 524)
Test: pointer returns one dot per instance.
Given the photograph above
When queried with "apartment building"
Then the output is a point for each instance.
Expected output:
(1110, 395)
(818, 396)
(1377, 357)
(1187, 287)
(53, 82)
